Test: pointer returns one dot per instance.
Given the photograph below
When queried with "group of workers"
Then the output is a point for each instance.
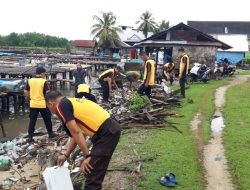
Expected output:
(82, 114)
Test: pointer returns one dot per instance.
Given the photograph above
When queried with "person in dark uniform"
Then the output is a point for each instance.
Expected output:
(83, 90)
(149, 75)
(84, 116)
(168, 71)
(80, 74)
(107, 80)
(35, 90)
(184, 65)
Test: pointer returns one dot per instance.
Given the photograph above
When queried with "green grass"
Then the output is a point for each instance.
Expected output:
(176, 152)
(242, 72)
(237, 134)
(207, 109)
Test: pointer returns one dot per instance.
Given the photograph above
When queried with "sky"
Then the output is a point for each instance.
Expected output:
(73, 19)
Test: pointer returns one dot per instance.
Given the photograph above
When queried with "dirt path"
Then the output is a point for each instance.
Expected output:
(214, 161)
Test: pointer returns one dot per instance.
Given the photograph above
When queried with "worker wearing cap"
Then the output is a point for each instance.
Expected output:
(184, 65)
(168, 71)
(84, 116)
(107, 80)
(149, 75)
(83, 90)
(35, 90)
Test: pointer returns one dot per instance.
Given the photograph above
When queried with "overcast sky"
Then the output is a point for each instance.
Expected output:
(73, 18)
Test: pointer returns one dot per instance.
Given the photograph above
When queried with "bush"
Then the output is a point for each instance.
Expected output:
(138, 102)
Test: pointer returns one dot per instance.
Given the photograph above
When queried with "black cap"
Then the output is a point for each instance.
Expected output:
(40, 70)
(181, 49)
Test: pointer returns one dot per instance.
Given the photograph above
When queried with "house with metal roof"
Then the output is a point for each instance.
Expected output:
(200, 46)
(236, 34)
(84, 47)
(130, 35)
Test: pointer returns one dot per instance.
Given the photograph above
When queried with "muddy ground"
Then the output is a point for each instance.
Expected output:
(217, 175)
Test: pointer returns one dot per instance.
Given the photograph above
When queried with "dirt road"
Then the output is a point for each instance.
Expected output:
(214, 161)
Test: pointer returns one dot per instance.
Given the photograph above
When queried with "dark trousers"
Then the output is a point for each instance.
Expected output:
(144, 90)
(105, 89)
(104, 145)
(182, 85)
(46, 115)
(75, 88)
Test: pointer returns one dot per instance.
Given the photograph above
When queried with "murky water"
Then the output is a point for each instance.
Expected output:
(16, 123)
(217, 124)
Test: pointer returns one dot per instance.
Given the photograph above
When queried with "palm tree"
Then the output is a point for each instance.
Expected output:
(146, 23)
(163, 25)
(105, 30)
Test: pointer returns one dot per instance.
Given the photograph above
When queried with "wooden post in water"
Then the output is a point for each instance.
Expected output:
(2, 126)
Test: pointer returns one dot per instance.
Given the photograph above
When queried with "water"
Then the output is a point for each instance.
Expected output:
(17, 123)
(217, 124)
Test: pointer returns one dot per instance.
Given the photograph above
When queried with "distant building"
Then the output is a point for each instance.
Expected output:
(200, 46)
(131, 36)
(236, 34)
(83, 47)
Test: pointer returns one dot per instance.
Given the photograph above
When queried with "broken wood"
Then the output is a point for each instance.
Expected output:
(158, 101)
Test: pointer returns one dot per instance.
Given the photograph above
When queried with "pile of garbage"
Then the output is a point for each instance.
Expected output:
(152, 115)
(22, 163)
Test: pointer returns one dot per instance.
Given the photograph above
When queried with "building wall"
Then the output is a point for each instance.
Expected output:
(82, 50)
(200, 54)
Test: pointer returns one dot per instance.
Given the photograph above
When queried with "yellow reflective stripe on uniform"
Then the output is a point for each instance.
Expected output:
(168, 66)
(37, 99)
(105, 72)
(83, 88)
(152, 75)
(88, 115)
(187, 66)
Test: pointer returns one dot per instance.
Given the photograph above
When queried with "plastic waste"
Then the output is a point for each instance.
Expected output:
(57, 178)
(4, 164)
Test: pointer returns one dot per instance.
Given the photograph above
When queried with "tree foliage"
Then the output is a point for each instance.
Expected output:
(162, 26)
(105, 31)
(146, 23)
(33, 39)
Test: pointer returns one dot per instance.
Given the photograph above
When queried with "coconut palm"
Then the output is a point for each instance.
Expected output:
(146, 23)
(105, 30)
(163, 25)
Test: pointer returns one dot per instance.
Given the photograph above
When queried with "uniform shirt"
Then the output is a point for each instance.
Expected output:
(110, 73)
(134, 74)
(37, 88)
(184, 65)
(149, 67)
(88, 115)
(79, 75)
(169, 68)
(83, 88)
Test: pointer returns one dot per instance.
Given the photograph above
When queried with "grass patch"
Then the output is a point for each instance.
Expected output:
(237, 132)
(242, 72)
(176, 152)
(207, 108)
